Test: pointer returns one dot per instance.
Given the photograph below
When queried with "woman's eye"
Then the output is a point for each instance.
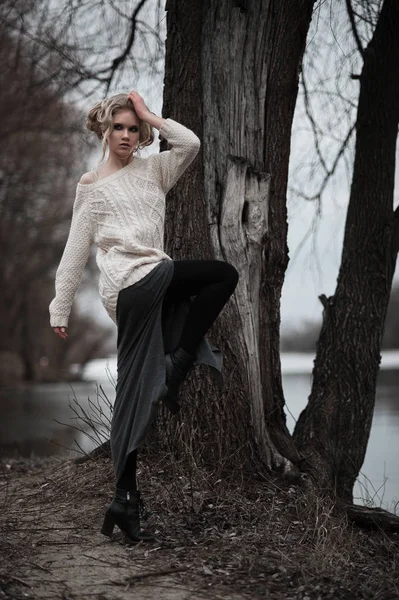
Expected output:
(134, 129)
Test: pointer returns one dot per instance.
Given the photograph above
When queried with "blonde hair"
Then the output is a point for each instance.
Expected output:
(101, 118)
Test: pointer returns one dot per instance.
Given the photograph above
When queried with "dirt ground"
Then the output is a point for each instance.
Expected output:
(215, 539)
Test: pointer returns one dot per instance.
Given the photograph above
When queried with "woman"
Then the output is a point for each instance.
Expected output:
(162, 308)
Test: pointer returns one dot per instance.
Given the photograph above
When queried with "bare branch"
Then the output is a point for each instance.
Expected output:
(59, 33)
(355, 32)
(122, 57)
(312, 121)
(329, 172)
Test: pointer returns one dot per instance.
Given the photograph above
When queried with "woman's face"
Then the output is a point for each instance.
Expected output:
(125, 133)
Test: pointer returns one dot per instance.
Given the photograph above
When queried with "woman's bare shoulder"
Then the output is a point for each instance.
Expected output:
(87, 178)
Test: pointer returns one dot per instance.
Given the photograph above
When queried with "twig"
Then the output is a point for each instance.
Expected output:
(49, 528)
(20, 580)
(140, 576)
(107, 562)
(49, 543)
(40, 567)
(355, 32)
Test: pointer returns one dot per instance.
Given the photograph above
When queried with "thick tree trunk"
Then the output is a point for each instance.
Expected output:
(334, 429)
(231, 75)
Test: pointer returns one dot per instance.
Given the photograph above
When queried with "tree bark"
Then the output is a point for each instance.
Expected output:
(373, 518)
(333, 431)
(231, 75)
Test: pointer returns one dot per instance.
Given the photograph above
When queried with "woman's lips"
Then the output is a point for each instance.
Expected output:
(125, 145)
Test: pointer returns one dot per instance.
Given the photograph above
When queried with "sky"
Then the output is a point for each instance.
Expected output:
(316, 228)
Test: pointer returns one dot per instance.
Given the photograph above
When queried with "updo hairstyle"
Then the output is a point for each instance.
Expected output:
(101, 118)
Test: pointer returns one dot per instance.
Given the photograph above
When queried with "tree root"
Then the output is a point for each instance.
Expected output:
(372, 518)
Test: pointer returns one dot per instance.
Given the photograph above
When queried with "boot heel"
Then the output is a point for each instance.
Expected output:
(108, 525)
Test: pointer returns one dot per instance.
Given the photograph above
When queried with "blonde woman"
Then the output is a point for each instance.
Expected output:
(162, 308)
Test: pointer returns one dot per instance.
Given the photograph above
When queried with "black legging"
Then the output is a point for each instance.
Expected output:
(212, 282)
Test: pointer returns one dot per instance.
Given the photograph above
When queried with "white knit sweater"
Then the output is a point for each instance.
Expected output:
(124, 215)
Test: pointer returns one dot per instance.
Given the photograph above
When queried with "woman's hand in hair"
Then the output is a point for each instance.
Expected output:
(143, 112)
(61, 331)
(140, 107)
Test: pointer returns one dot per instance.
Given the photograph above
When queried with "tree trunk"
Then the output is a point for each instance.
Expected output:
(231, 75)
(333, 431)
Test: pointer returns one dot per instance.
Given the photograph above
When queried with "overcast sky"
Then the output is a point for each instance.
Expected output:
(315, 243)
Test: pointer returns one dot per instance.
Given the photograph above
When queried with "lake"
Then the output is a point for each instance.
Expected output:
(43, 419)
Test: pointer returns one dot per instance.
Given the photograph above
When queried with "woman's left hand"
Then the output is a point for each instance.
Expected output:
(140, 108)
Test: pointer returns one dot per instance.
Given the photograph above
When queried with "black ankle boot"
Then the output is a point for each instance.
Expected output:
(124, 511)
(178, 364)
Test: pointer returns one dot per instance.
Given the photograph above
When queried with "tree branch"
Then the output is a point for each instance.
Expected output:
(355, 32)
(122, 57)
(329, 172)
(104, 76)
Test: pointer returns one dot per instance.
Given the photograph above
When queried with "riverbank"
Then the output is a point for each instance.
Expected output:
(216, 538)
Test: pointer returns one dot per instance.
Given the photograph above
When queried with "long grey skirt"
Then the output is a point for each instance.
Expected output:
(146, 333)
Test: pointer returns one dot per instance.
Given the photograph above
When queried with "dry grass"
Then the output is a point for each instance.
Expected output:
(249, 536)
(216, 529)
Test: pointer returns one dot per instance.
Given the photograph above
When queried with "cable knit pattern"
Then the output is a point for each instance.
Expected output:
(124, 214)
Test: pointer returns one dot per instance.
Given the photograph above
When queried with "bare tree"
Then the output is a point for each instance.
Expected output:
(333, 430)
(237, 91)
(232, 76)
(36, 195)
(94, 45)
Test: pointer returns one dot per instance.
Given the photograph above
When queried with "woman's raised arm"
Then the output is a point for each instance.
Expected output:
(171, 164)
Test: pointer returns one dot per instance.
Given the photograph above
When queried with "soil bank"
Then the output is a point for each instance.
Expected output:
(216, 538)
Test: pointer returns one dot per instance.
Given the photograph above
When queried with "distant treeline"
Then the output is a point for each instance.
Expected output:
(44, 154)
(305, 337)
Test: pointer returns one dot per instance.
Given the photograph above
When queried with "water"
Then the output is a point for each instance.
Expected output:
(378, 480)
(46, 419)
(42, 420)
